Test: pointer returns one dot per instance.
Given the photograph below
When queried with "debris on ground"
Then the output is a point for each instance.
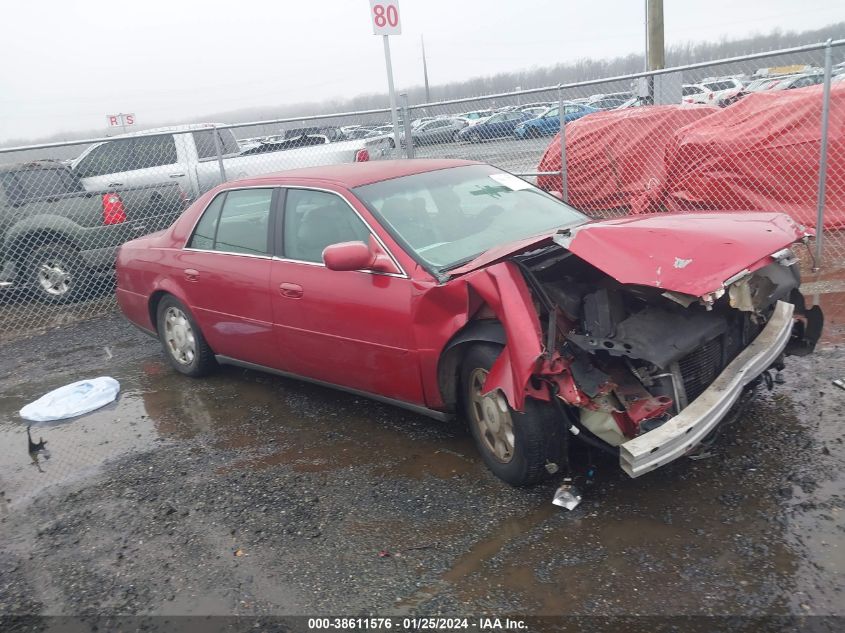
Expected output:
(72, 400)
(567, 496)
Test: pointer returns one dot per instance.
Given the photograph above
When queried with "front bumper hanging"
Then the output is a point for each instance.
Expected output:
(685, 431)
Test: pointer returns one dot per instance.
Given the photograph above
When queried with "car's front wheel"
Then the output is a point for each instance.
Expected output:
(518, 447)
(182, 339)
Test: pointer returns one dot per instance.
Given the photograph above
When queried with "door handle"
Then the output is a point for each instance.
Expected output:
(191, 274)
(176, 175)
(115, 184)
(290, 291)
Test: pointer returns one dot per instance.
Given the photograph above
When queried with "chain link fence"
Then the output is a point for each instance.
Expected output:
(760, 132)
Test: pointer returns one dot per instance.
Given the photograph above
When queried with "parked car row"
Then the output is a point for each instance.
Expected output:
(724, 91)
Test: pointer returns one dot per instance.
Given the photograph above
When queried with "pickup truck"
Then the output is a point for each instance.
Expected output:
(188, 155)
(57, 238)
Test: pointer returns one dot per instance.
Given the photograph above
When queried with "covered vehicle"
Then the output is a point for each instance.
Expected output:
(452, 287)
(762, 153)
(614, 159)
(548, 123)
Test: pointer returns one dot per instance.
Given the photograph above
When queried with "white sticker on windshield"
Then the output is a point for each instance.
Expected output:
(511, 182)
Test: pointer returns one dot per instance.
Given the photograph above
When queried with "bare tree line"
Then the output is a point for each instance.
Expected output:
(537, 77)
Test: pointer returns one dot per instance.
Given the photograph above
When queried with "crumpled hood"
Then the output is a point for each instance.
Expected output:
(692, 253)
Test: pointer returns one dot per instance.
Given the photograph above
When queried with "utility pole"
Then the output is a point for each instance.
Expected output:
(425, 71)
(656, 57)
(645, 31)
(654, 43)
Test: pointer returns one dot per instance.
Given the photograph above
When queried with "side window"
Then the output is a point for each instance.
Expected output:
(316, 219)
(204, 140)
(108, 158)
(206, 228)
(244, 222)
(154, 151)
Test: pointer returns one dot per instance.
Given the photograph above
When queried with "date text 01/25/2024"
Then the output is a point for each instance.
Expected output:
(417, 623)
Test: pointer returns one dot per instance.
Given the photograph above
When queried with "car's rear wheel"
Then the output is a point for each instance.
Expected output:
(57, 273)
(518, 447)
(475, 137)
(182, 339)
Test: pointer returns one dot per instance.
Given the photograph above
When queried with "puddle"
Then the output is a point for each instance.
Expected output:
(479, 555)
(76, 447)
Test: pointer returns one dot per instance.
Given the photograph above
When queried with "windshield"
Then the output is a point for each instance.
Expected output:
(450, 216)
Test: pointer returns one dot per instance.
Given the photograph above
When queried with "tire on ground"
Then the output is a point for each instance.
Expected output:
(202, 361)
(537, 431)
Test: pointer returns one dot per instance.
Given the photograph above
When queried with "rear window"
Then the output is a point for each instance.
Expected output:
(29, 184)
(204, 140)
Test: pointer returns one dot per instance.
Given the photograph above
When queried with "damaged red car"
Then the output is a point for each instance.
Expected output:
(452, 288)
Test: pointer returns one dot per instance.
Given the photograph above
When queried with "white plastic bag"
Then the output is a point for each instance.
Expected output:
(72, 400)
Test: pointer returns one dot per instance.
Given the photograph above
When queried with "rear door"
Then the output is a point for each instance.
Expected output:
(224, 273)
(133, 162)
(350, 328)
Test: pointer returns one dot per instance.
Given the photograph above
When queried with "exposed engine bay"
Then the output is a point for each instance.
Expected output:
(627, 358)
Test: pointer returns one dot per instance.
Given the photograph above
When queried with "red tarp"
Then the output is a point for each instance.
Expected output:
(762, 154)
(614, 159)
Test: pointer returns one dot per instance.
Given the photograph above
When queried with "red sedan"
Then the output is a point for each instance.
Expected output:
(451, 287)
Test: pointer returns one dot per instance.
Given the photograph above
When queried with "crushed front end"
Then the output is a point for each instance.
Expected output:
(648, 371)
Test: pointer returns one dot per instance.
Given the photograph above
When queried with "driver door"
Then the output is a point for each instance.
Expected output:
(348, 328)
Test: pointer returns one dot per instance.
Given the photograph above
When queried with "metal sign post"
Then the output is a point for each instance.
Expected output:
(385, 17)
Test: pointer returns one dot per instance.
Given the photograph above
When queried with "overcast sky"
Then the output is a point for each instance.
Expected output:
(67, 64)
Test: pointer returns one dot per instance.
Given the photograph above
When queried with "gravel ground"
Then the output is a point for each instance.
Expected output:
(247, 494)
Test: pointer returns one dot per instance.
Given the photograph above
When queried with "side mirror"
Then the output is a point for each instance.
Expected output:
(358, 256)
(557, 194)
(347, 256)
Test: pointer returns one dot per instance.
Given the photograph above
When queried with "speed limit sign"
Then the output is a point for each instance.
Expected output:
(385, 17)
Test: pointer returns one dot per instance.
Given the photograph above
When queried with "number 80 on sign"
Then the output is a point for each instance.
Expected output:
(384, 15)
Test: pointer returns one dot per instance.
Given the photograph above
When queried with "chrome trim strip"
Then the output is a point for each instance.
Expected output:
(416, 408)
(205, 250)
(683, 432)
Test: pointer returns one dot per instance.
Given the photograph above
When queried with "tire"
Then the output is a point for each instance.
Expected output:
(475, 137)
(456, 137)
(56, 274)
(183, 342)
(536, 434)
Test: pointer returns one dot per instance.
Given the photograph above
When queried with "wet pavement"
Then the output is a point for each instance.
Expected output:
(245, 493)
